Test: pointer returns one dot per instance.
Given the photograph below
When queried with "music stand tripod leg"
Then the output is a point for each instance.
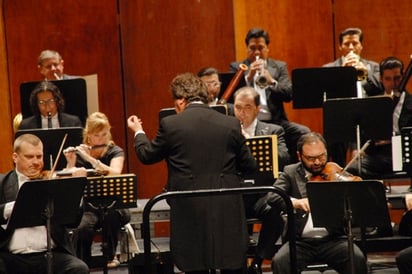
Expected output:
(348, 217)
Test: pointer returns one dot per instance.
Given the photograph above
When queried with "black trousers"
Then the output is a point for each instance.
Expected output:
(36, 263)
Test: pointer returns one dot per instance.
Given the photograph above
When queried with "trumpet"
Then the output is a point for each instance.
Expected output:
(261, 80)
(361, 72)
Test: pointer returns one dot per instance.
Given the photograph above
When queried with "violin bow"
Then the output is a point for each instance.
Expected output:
(58, 156)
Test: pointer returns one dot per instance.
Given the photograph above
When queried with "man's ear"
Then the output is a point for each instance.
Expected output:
(298, 155)
(180, 104)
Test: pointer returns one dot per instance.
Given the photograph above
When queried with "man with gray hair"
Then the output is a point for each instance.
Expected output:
(51, 66)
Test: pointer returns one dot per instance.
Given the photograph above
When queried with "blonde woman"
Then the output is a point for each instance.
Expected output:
(99, 152)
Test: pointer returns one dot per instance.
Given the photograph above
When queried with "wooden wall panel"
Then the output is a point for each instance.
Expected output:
(160, 40)
(85, 32)
(300, 34)
(6, 162)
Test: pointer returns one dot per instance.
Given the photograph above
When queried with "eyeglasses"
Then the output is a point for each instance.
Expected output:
(212, 84)
(47, 102)
(320, 157)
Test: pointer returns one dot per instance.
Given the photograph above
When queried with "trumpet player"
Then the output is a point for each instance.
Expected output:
(271, 80)
(350, 47)
(51, 66)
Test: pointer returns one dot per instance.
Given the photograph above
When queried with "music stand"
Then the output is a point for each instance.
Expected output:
(225, 78)
(313, 86)
(73, 91)
(357, 120)
(43, 202)
(52, 139)
(338, 203)
(110, 192)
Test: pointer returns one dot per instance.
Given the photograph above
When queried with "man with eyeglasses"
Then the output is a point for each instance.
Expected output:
(47, 104)
(51, 65)
(277, 88)
(210, 76)
(314, 244)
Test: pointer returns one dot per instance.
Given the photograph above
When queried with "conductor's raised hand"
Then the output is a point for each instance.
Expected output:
(134, 123)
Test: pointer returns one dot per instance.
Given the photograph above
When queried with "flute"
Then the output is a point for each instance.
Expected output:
(74, 149)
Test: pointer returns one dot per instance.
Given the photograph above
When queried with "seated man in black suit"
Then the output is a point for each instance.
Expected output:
(47, 104)
(246, 108)
(23, 250)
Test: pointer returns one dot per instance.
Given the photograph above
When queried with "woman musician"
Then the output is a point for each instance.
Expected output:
(99, 152)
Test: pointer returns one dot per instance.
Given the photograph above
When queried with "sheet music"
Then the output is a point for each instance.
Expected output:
(397, 153)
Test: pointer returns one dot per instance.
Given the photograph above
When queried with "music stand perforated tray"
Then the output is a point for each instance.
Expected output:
(122, 189)
(265, 150)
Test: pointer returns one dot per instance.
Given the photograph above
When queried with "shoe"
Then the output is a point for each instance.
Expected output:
(113, 264)
(252, 242)
(254, 269)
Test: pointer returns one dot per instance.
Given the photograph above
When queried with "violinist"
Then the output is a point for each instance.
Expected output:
(22, 250)
(99, 152)
(313, 243)
(377, 159)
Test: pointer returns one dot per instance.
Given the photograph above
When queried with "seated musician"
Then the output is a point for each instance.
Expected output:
(404, 258)
(23, 250)
(313, 244)
(210, 76)
(246, 108)
(378, 157)
(47, 105)
(99, 152)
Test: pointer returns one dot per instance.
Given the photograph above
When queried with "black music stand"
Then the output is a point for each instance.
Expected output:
(107, 193)
(74, 92)
(52, 139)
(357, 120)
(337, 204)
(45, 202)
(313, 86)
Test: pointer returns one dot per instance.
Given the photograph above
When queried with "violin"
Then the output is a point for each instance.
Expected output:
(333, 172)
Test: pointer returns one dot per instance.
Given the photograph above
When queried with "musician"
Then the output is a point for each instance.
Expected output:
(210, 76)
(378, 157)
(404, 257)
(350, 47)
(51, 66)
(47, 105)
(278, 88)
(204, 149)
(23, 250)
(246, 106)
(313, 244)
(99, 152)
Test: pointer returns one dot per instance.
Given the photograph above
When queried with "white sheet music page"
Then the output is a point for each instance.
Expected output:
(397, 153)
